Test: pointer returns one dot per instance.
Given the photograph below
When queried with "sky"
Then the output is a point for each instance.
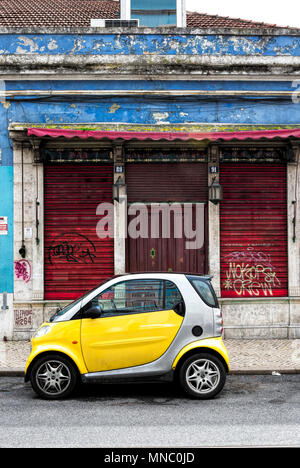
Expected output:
(282, 13)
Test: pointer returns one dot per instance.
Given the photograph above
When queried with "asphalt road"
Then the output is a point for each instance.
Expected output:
(260, 411)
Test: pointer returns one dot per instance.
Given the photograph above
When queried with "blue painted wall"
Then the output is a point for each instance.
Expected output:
(140, 44)
(209, 85)
(6, 241)
(147, 109)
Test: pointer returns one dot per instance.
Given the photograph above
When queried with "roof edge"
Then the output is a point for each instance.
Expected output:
(252, 23)
(280, 31)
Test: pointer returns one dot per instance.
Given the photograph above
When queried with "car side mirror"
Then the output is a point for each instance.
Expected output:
(93, 312)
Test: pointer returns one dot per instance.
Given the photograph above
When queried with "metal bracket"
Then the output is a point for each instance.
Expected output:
(4, 302)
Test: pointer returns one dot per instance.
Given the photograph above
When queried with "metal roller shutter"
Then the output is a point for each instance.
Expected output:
(164, 182)
(253, 230)
(76, 259)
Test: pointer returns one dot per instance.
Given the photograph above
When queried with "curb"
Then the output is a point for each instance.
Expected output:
(264, 371)
(14, 372)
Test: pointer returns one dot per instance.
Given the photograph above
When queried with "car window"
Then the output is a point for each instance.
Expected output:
(172, 295)
(204, 290)
(138, 296)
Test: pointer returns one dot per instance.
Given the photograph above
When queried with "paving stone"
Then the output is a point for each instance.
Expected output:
(245, 355)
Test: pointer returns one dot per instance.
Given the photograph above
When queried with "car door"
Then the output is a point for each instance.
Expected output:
(136, 326)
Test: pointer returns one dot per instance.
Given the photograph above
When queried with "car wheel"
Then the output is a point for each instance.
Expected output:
(202, 376)
(53, 377)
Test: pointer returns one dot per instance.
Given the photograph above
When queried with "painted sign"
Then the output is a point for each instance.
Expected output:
(23, 318)
(62, 155)
(3, 226)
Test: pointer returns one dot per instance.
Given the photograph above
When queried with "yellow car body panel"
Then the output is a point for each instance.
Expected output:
(123, 341)
(64, 337)
(216, 344)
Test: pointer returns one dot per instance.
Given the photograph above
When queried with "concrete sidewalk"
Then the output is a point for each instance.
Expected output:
(246, 356)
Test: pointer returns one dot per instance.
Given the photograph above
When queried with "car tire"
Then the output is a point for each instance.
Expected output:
(53, 377)
(202, 376)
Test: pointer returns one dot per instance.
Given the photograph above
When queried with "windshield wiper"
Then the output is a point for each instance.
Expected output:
(59, 309)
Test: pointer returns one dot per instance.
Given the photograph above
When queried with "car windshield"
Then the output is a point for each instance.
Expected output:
(59, 312)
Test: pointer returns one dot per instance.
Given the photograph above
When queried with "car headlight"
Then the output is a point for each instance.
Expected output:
(42, 331)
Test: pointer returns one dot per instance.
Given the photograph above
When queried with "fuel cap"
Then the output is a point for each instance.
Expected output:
(197, 330)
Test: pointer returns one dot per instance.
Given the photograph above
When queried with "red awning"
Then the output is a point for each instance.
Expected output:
(169, 136)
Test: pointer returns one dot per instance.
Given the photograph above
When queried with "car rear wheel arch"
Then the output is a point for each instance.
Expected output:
(200, 350)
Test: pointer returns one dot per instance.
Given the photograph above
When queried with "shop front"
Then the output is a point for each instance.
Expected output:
(74, 256)
(253, 227)
(115, 202)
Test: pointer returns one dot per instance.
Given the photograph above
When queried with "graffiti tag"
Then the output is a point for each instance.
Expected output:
(23, 270)
(250, 255)
(73, 248)
(251, 279)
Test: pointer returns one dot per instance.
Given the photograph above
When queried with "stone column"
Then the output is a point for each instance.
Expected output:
(214, 224)
(293, 202)
(120, 213)
(293, 207)
(28, 239)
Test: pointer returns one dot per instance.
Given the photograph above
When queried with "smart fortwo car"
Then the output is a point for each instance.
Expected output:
(135, 326)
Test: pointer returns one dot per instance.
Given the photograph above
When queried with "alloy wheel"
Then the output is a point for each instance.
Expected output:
(203, 376)
(53, 377)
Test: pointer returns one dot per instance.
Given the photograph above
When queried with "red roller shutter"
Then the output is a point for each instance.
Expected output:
(253, 229)
(75, 258)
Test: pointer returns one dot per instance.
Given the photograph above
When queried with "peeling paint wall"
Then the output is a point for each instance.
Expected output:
(145, 109)
(140, 44)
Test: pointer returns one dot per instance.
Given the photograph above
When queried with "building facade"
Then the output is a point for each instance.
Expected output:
(102, 129)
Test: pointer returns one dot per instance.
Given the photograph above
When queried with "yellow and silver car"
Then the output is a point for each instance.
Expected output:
(145, 325)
